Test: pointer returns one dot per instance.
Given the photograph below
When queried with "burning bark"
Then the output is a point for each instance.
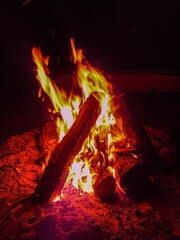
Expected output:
(56, 172)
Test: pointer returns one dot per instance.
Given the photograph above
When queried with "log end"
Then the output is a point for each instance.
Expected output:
(104, 185)
(136, 182)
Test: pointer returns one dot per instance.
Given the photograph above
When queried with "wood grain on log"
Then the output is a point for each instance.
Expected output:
(56, 172)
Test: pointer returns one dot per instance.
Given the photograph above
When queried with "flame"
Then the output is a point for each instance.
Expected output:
(96, 152)
(92, 79)
(81, 175)
(67, 106)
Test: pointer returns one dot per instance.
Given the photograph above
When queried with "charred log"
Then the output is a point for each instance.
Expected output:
(133, 177)
(56, 172)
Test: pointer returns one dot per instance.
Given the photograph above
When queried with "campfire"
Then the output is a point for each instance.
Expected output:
(90, 161)
(90, 134)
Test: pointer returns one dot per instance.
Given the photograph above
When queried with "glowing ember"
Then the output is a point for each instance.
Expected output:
(98, 150)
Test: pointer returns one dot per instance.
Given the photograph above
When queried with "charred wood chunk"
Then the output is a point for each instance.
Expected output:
(48, 137)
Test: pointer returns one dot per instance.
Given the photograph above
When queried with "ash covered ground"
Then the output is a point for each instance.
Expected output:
(86, 216)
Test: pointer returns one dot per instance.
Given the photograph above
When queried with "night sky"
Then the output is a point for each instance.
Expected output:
(118, 35)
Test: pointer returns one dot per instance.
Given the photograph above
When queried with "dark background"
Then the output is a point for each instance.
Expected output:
(118, 35)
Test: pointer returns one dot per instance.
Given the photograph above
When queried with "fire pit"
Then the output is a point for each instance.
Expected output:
(85, 182)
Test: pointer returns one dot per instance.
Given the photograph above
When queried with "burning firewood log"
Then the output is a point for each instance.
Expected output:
(56, 172)
(104, 184)
(133, 177)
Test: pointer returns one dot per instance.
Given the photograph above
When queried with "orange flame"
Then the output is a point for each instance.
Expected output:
(96, 152)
